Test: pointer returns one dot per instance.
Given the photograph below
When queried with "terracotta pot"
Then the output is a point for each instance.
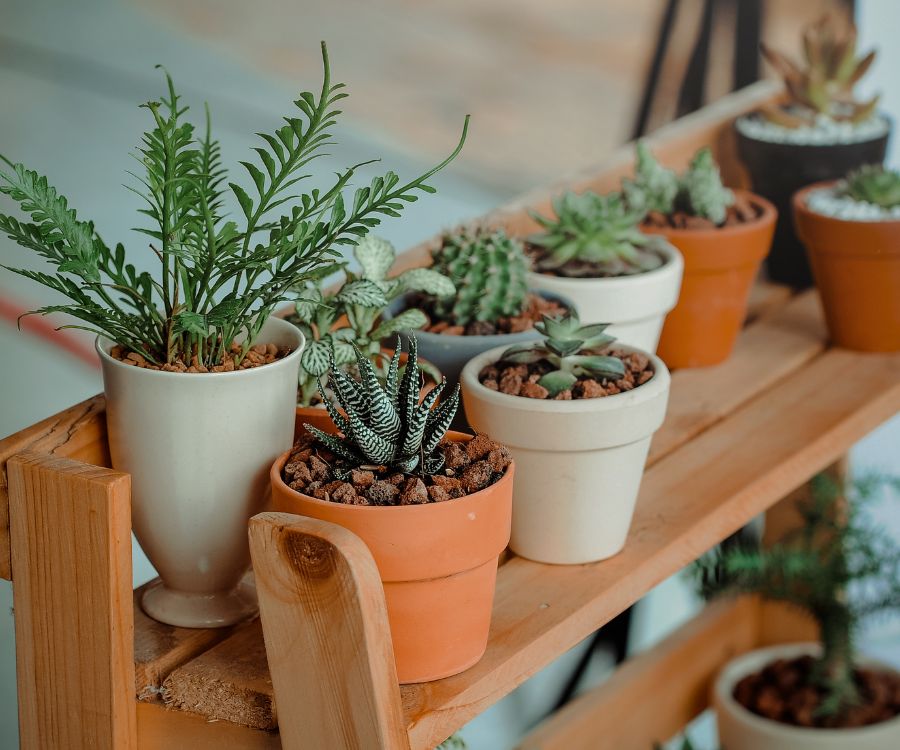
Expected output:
(741, 729)
(857, 270)
(579, 462)
(197, 447)
(438, 564)
(778, 170)
(720, 266)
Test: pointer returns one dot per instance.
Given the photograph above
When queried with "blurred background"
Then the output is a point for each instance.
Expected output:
(552, 88)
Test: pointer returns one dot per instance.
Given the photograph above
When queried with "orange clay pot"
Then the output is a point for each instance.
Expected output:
(720, 266)
(438, 564)
(856, 265)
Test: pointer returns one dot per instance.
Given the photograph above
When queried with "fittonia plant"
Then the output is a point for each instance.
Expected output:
(490, 273)
(874, 184)
(570, 349)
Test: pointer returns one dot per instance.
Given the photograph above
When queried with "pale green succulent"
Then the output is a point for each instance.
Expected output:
(874, 184)
(702, 189)
(654, 188)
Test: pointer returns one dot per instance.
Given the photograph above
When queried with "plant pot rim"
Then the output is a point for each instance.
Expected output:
(735, 669)
(103, 344)
(674, 263)
(880, 114)
(644, 392)
(424, 508)
(799, 202)
(768, 216)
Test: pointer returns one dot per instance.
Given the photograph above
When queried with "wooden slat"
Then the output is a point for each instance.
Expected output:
(689, 500)
(78, 432)
(71, 543)
(327, 636)
(160, 728)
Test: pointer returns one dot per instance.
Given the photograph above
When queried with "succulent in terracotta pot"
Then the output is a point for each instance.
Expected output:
(820, 131)
(577, 411)
(722, 234)
(432, 506)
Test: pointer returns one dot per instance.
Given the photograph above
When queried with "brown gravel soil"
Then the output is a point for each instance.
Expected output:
(522, 380)
(578, 269)
(469, 467)
(259, 355)
(535, 308)
(784, 692)
(742, 212)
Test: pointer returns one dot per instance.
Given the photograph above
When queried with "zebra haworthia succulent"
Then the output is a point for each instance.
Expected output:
(386, 425)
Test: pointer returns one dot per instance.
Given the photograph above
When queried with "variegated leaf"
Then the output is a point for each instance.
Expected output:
(374, 447)
(439, 422)
(425, 280)
(335, 444)
(408, 320)
(375, 256)
(316, 357)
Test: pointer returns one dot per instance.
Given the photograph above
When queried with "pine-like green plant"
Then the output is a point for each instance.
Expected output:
(823, 83)
(219, 277)
(835, 567)
(567, 346)
(360, 301)
(489, 271)
(698, 192)
(874, 184)
(599, 231)
(386, 425)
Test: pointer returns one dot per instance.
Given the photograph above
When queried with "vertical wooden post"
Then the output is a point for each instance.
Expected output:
(327, 637)
(70, 527)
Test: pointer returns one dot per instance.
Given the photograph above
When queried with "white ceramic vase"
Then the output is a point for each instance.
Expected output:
(579, 463)
(635, 306)
(741, 729)
(198, 447)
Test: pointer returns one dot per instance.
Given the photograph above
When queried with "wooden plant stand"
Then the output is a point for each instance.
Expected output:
(95, 672)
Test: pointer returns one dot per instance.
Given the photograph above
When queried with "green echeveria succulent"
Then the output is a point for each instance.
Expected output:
(702, 188)
(654, 188)
(874, 184)
(563, 346)
(598, 230)
(386, 425)
(489, 271)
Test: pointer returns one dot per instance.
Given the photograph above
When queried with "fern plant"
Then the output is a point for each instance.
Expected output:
(385, 425)
(220, 277)
(835, 567)
(338, 324)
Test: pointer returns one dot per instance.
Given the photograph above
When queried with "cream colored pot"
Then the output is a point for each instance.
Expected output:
(198, 448)
(740, 729)
(578, 463)
(636, 306)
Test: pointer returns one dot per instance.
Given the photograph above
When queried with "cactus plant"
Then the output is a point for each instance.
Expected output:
(593, 235)
(874, 184)
(385, 424)
(654, 188)
(489, 271)
(567, 347)
(702, 191)
(823, 84)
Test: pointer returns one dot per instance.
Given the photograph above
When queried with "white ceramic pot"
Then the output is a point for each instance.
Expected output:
(198, 447)
(578, 463)
(741, 729)
(636, 306)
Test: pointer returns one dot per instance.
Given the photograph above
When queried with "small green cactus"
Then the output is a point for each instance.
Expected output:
(654, 188)
(874, 184)
(386, 425)
(702, 189)
(599, 231)
(564, 346)
(490, 273)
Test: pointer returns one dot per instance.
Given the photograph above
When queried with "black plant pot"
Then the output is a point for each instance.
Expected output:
(778, 170)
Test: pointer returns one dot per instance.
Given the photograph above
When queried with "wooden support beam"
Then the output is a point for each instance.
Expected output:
(71, 545)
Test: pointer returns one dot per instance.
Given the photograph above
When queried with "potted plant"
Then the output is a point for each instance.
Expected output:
(594, 254)
(820, 132)
(838, 570)
(851, 229)
(433, 507)
(577, 415)
(352, 317)
(200, 380)
(491, 305)
(723, 236)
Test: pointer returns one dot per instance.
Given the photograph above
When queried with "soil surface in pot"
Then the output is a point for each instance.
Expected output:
(259, 355)
(468, 467)
(535, 308)
(522, 380)
(742, 211)
(650, 260)
(784, 691)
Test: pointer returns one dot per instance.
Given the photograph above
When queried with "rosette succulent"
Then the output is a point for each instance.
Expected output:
(570, 348)
(874, 184)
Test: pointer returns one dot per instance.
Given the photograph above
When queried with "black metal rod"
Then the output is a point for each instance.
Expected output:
(659, 54)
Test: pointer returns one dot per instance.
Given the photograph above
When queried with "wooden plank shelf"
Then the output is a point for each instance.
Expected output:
(738, 438)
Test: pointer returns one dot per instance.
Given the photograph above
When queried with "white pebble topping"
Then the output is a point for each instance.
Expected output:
(830, 202)
(824, 132)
